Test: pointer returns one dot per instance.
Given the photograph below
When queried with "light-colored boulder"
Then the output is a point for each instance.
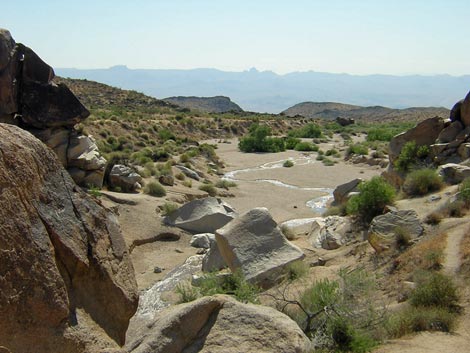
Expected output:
(425, 133)
(203, 240)
(297, 227)
(254, 244)
(213, 260)
(83, 153)
(330, 233)
(124, 177)
(453, 173)
(188, 172)
(465, 111)
(449, 133)
(57, 139)
(219, 324)
(201, 216)
(342, 191)
(384, 229)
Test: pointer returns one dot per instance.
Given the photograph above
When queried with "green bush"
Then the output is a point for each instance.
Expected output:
(225, 184)
(434, 290)
(306, 146)
(411, 156)
(288, 163)
(296, 270)
(422, 182)
(209, 188)
(357, 148)
(169, 207)
(464, 192)
(258, 140)
(310, 130)
(186, 292)
(381, 134)
(154, 188)
(291, 142)
(373, 196)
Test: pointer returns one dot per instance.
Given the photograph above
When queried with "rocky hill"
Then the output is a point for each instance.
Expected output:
(218, 104)
(331, 110)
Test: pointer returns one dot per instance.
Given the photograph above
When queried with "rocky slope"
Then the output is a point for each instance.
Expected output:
(330, 110)
(65, 275)
(218, 104)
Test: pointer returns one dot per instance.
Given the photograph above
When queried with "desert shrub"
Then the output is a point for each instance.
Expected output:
(381, 134)
(357, 148)
(180, 176)
(94, 191)
(402, 238)
(288, 163)
(434, 290)
(464, 192)
(169, 207)
(209, 188)
(433, 218)
(331, 152)
(320, 157)
(306, 146)
(296, 270)
(454, 209)
(154, 188)
(339, 210)
(184, 158)
(373, 196)
(165, 135)
(225, 184)
(310, 130)
(150, 167)
(186, 292)
(422, 182)
(188, 183)
(328, 162)
(258, 140)
(291, 142)
(411, 156)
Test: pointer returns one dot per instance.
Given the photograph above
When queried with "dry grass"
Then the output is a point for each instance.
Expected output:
(465, 254)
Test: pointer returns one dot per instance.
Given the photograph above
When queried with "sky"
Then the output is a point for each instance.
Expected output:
(398, 37)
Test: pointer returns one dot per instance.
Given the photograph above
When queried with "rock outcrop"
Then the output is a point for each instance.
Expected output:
(124, 178)
(65, 272)
(219, 324)
(254, 245)
(341, 192)
(330, 233)
(202, 216)
(31, 99)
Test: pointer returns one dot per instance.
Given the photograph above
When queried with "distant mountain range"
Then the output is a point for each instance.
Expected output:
(330, 110)
(269, 92)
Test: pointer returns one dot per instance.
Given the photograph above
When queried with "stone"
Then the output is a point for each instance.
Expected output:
(188, 172)
(329, 233)
(297, 227)
(83, 153)
(213, 260)
(342, 191)
(201, 216)
(449, 133)
(124, 177)
(345, 121)
(203, 240)
(166, 180)
(424, 133)
(65, 269)
(219, 324)
(455, 112)
(57, 139)
(453, 173)
(383, 229)
(9, 59)
(464, 151)
(465, 111)
(254, 244)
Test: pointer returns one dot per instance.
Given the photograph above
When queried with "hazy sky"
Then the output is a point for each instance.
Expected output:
(358, 37)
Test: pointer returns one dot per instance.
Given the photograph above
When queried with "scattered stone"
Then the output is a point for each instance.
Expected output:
(157, 269)
(125, 178)
(178, 250)
(383, 229)
(320, 262)
(203, 240)
(167, 180)
(434, 198)
(341, 193)
(254, 244)
(454, 173)
(201, 216)
(219, 324)
(329, 233)
(188, 172)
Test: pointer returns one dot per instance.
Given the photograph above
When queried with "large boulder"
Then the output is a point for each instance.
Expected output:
(449, 133)
(455, 112)
(202, 216)
(425, 133)
(203, 240)
(213, 260)
(123, 177)
(384, 230)
(465, 111)
(254, 244)
(219, 324)
(8, 85)
(342, 191)
(453, 173)
(330, 233)
(64, 266)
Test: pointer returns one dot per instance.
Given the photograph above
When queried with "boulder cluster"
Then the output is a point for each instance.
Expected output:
(30, 99)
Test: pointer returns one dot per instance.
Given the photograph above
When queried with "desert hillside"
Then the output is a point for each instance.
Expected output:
(217, 104)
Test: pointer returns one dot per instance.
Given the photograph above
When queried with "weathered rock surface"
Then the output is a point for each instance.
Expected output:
(425, 133)
(203, 240)
(384, 229)
(254, 244)
(455, 112)
(345, 121)
(342, 191)
(202, 216)
(454, 173)
(63, 259)
(188, 172)
(213, 260)
(124, 177)
(30, 98)
(166, 180)
(219, 324)
(465, 111)
(449, 133)
(330, 233)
